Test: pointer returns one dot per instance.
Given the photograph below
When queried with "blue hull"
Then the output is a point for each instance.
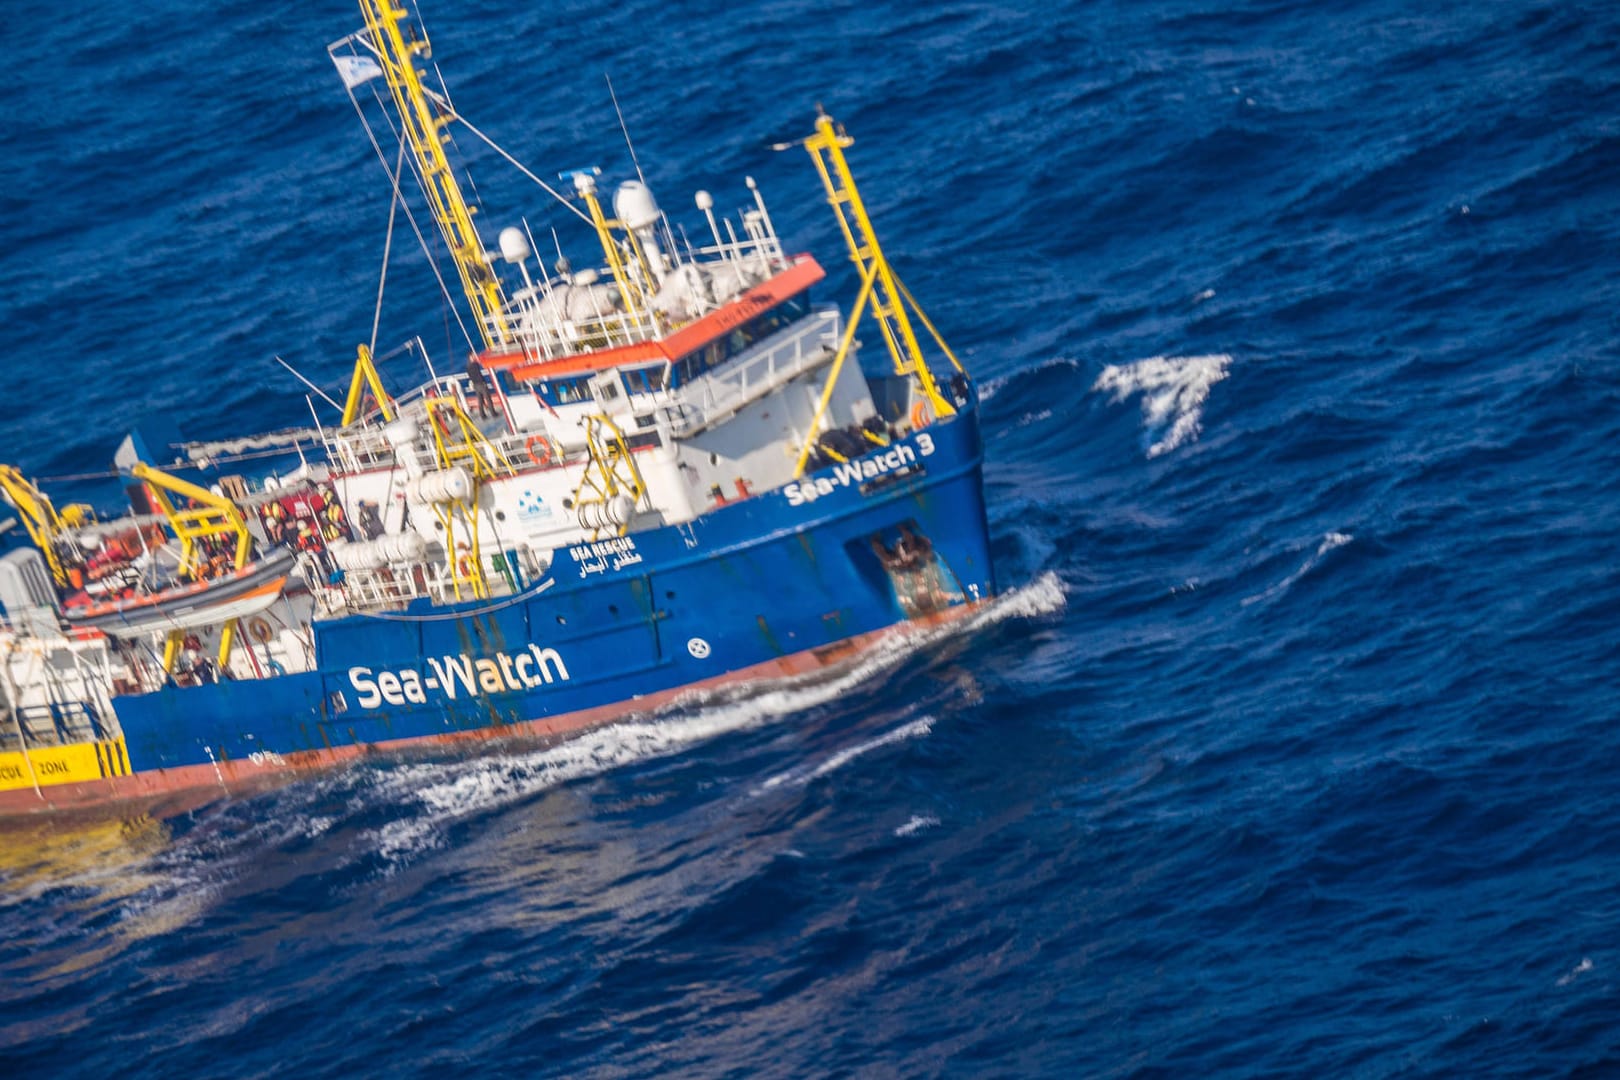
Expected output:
(783, 573)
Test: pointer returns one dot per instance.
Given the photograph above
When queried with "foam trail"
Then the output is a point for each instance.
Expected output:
(913, 730)
(1329, 542)
(917, 824)
(1173, 389)
(1579, 969)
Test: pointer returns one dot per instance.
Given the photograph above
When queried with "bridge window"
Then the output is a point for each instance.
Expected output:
(563, 391)
(760, 326)
(645, 380)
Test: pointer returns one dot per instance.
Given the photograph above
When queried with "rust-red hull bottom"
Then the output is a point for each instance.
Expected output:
(165, 792)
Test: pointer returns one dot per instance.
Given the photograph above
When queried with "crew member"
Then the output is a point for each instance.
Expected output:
(480, 386)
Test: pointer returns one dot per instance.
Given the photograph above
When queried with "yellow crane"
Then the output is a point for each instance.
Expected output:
(44, 523)
(204, 516)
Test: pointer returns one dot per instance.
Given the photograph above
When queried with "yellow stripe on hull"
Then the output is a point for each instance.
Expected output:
(49, 765)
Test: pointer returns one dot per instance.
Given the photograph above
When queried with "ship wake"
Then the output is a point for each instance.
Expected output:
(438, 794)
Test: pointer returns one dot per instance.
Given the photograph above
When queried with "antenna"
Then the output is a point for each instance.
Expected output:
(620, 113)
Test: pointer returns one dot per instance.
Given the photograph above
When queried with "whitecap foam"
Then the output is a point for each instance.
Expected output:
(916, 824)
(1579, 969)
(1173, 390)
(915, 729)
(1329, 542)
(1043, 596)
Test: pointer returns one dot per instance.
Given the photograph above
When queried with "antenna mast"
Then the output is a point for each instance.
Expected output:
(620, 114)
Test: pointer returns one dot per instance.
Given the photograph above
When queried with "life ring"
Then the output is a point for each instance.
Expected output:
(539, 448)
(921, 416)
(259, 627)
(464, 567)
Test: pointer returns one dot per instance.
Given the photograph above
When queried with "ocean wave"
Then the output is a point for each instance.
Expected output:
(989, 388)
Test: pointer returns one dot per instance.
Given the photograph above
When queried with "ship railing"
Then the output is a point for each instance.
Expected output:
(719, 394)
(542, 336)
(393, 587)
(57, 724)
(359, 448)
(765, 253)
(369, 446)
(456, 386)
(379, 589)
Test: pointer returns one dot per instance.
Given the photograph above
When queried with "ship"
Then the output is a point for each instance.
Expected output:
(664, 469)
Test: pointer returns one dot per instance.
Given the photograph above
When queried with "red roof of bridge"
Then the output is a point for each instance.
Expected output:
(804, 273)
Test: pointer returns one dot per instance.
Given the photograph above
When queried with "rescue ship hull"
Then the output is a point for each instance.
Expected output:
(780, 585)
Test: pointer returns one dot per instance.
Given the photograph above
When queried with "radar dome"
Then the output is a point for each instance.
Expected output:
(634, 205)
(514, 245)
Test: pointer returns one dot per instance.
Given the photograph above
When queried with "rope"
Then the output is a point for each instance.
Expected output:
(433, 262)
(388, 246)
(519, 166)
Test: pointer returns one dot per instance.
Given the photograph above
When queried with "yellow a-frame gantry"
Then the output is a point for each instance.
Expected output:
(457, 443)
(890, 300)
(365, 378)
(609, 473)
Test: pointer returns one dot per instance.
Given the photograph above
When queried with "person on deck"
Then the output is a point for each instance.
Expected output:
(480, 386)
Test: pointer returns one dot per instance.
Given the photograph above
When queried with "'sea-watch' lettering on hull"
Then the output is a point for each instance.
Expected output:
(852, 473)
(453, 676)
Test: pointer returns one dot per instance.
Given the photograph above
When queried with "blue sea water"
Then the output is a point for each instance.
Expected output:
(1291, 749)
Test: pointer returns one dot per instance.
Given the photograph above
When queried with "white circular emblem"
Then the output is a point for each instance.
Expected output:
(698, 647)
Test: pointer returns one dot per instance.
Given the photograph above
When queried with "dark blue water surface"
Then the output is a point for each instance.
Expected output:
(1292, 749)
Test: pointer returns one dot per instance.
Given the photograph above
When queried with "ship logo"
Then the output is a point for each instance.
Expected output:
(531, 506)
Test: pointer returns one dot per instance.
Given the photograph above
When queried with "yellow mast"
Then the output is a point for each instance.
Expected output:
(630, 293)
(889, 297)
(398, 42)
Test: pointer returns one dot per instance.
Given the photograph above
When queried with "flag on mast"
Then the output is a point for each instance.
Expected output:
(355, 70)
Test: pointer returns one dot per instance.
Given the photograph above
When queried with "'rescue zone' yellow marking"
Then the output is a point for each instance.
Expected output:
(64, 764)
